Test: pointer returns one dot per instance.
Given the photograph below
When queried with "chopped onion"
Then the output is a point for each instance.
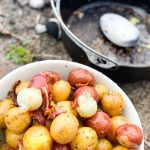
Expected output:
(87, 106)
(29, 99)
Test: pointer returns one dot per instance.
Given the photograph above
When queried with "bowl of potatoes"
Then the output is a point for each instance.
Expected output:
(63, 105)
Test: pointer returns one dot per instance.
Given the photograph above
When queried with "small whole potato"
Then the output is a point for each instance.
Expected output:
(86, 138)
(64, 128)
(22, 85)
(101, 90)
(116, 122)
(17, 120)
(129, 135)
(104, 144)
(66, 105)
(5, 105)
(100, 122)
(61, 91)
(112, 103)
(119, 147)
(81, 77)
(37, 138)
(12, 138)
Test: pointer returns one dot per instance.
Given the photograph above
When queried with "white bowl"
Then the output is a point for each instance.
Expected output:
(63, 67)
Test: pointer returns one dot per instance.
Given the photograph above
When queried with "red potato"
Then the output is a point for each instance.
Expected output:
(57, 146)
(86, 89)
(129, 135)
(44, 80)
(80, 77)
(116, 122)
(100, 122)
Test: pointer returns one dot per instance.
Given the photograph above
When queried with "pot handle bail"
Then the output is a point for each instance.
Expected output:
(100, 60)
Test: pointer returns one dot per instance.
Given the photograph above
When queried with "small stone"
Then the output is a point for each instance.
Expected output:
(37, 4)
(23, 2)
(53, 28)
(40, 28)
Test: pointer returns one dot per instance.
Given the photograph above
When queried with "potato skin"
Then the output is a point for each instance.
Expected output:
(80, 77)
(5, 105)
(101, 90)
(80, 91)
(112, 103)
(86, 138)
(17, 120)
(61, 90)
(64, 128)
(12, 138)
(66, 105)
(116, 122)
(37, 138)
(104, 144)
(119, 147)
(22, 85)
(100, 122)
(129, 135)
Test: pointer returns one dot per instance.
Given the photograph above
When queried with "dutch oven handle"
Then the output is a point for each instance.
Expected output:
(94, 57)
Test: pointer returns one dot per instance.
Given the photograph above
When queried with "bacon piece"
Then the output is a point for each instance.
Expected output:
(39, 116)
(53, 111)
(20, 145)
(12, 94)
(39, 82)
(51, 76)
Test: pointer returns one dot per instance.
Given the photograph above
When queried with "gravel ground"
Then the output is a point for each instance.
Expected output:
(21, 21)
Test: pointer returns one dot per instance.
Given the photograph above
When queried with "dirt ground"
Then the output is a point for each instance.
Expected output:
(21, 21)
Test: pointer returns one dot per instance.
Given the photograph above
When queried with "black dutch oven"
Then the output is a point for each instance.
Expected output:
(81, 52)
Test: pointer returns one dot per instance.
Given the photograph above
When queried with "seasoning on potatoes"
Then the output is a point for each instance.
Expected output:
(17, 120)
(104, 144)
(80, 77)
(100, 122)
(5, 105)
(116, 122)
(86, 89)
(12, 138)
(37, 138)
(61, 91)
(112, 103)
(64, 128)
(86, 138)
(129, 135)
(66, 105)
(57, 146)
(86, 105)
(119, 147)
(22, 85)
(29, 99)
(101, 90)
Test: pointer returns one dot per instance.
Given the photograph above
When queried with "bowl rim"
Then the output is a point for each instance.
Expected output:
(74, 64)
